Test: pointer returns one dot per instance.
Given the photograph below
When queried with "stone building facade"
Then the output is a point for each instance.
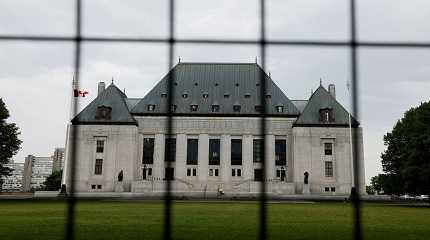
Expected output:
(216, 144)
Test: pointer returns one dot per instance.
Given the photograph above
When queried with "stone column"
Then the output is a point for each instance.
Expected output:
(203, 158)
(247, 157)
(270, 156)
(181, 155)
(225, 164)
(158, 166)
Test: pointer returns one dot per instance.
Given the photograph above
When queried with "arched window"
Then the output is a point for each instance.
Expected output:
(103, 113)
(194, 108)
(326, 115)
(215, 108)
(236, 108)
(151, 107)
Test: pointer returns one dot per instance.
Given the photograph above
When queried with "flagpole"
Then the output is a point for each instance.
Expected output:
(72, 98)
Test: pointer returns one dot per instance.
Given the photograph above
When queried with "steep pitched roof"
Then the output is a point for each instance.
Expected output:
(110, 97)
(206, 84)
(300, 104)
(321, 99)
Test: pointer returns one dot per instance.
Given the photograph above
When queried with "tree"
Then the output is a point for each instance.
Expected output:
(53, 182)
(9, 142)
(406, 161)
(376, 183)
(370, 190)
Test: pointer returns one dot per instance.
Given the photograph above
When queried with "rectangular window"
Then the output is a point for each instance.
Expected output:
(149, 171)
(169, 173)
(100, 146)
(329, 169)
(328, 148)
(239, 172)
(148, 151)
(93, 186)
(214, 151)
(233, 172)
(278, 173)
(98, 169)
(280, 152)
(258, 145)
(333, 189)
(188, 171)
(194, 172)
(99, 186)
(216, 172)
(327, 189)
(258, 174)
(236, 152)
(170, 149)
(211, 172)
(192, 151)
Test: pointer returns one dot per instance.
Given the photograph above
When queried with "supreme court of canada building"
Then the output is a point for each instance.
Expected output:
(215, 146)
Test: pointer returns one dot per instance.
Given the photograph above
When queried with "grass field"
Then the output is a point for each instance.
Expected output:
(214, 220)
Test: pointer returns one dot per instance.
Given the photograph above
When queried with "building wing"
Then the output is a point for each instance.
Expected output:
(109, 107)
(322, 109)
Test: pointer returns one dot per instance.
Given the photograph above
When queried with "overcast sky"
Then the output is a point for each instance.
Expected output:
(36, 77)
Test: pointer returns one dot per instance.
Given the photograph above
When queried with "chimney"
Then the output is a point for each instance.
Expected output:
(332, 90)
(101, 88)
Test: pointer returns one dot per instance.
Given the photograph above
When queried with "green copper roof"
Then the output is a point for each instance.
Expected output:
(111, 97)
(220, 84)
(321, 99)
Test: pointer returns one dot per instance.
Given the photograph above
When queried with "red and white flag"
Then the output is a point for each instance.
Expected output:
(79, 93)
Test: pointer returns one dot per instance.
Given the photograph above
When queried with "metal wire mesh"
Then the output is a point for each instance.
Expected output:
(262, 43)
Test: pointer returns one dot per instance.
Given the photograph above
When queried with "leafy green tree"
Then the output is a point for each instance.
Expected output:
(9, 142)
(53, 182)
(376, 182)
(370, 190)
(406, 161)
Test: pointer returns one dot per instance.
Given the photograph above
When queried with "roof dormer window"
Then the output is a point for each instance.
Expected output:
(163, 95)
(194, 107)
(247, 95)
(215, 108)
(279, 108)
(258, 108)
(103, 113)
(226, 95)
(268, 96)
(172, 108)
(151, 107)
(236, 108)
(205, 95)
(184, 95)
(326, 115)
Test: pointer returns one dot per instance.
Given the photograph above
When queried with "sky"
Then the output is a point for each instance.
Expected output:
(36, 77)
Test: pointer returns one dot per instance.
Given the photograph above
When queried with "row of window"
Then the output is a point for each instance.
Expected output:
(216, 108)
(205, 95)
(213, 172)
(214, 151)
(280, 173)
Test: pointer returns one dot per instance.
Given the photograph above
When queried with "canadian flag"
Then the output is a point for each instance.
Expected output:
(79, 93)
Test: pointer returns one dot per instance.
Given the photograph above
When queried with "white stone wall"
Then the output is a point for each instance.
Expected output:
(124, 151)
(309, 157)
(120, 153)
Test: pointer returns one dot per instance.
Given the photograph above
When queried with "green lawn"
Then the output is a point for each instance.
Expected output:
(214, 220)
